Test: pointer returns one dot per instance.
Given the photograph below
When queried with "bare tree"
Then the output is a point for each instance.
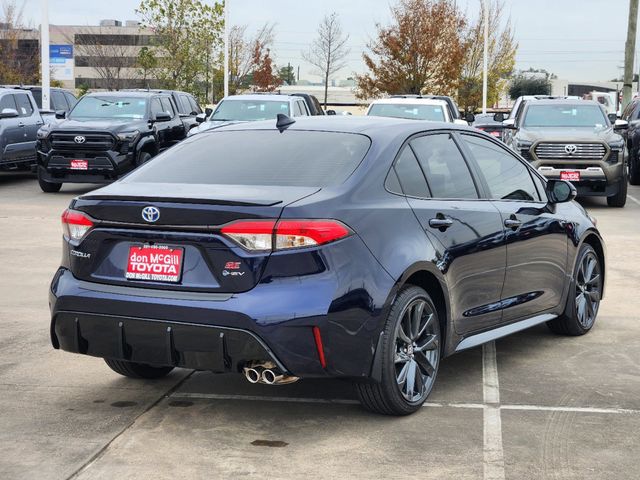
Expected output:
(114, 64)
(19, 46)
(242, 54)
(329, 50)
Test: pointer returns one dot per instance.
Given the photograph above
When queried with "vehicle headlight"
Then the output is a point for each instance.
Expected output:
(130, 136)
(617, 145)
(523, 145)
(43, 133)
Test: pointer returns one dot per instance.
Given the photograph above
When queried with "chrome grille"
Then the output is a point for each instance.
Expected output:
(583, 151)
(93, 141)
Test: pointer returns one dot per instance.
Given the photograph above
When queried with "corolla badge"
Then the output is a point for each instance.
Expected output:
(79, 139)
(150, 214)
(570, 149)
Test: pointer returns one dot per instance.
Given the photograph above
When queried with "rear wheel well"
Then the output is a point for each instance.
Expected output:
(429, 283)
(594, 241)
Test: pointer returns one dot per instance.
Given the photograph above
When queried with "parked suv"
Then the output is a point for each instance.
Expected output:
(414, 108)
(105, 136)
(250, 108)
(60, 99)
(573, 140)
(631, 115)
(19, 123)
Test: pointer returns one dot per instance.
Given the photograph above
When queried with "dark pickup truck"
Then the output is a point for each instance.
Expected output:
(105, 136)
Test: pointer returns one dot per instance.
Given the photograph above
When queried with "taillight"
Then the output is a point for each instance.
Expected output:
(284, 234)
(75, 224)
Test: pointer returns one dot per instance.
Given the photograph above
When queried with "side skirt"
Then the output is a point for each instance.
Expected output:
(484, 337)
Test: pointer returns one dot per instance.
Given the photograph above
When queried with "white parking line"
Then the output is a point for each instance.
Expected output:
(634, 199)
(493, 452)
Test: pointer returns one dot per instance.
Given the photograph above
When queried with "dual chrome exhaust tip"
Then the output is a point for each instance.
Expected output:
(267, 373)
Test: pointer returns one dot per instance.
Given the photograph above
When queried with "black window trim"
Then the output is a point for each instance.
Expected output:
(543, 196)
(481, 188)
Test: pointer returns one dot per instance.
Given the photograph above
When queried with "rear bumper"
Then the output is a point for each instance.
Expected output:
(158, 342)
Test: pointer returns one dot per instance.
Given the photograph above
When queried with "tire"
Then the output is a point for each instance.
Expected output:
(48, 187)
(586, 291)
(137, 370)
(619, 199)
(418, 359)
(634, 169)
(143, 157)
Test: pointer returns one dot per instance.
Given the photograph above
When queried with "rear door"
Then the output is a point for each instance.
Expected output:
(20, 142)
(468, 231)
(536, 236)
(10, 131)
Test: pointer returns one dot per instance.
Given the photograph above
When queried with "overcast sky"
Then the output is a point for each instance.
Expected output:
(575, 39)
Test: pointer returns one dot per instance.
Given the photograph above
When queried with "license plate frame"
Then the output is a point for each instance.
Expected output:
(154, 263)
(570, 175)
(79, 164)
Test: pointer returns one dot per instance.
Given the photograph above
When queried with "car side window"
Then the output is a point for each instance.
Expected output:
(508, 178)
(410, 175)
(7, 101)
(25, 109)
(71, 100)
(59, 103)
(447, 172)
(194, 105)
(305, 109)
(156, 107)
(296, 109)
(183, 105)
(167, 107)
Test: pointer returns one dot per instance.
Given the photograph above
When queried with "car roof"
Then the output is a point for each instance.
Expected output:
(125, 93)
(409, 101)
(261, 96)
(154, 90)
(561, 102)
(367, 125)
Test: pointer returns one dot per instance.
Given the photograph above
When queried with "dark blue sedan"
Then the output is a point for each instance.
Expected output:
(362, 248)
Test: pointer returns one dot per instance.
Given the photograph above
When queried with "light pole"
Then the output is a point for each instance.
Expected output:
(226, 47)
(485, 61)
(44, 55)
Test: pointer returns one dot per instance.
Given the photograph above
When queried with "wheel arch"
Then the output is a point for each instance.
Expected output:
(147, 144)
(596, 242)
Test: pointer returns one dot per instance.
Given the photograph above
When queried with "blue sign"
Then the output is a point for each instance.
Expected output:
(60, 53)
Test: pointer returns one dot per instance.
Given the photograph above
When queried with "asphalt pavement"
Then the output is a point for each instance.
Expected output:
(530, 406)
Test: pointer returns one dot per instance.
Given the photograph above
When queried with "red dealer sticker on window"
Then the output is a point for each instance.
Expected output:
(156, 263)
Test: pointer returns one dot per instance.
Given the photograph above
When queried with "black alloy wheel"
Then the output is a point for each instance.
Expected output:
(410, 350)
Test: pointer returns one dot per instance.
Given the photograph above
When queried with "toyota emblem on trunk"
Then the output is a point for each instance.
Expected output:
(570, 149)
(79, 139)
(150, 214)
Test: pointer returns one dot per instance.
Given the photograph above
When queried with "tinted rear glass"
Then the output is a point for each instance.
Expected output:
(259, 157)
(250, 110)
(434, 113)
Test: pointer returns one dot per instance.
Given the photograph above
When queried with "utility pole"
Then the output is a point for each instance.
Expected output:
(485, 60)
(226, 47)
(44, 56)
(629, 49)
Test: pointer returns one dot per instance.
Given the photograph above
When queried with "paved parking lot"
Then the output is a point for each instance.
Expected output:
(532, 406)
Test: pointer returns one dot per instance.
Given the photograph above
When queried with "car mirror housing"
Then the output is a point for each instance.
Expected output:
(331, 112)
(161, 117)
(510, 124)
(560, 191)
(499, 117)
(620, 124)
(612, 117)
(470, 117)
(60, 114)
(459, 121)
(8, 113)
(208, 111)
(201, 117)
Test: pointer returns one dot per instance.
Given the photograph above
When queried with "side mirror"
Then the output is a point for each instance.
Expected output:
(208, 111)
(470, 117)
(560, 191)
(510, 124)
(620, 124)
(613, 117)
(201, 117)
(499, 117)
(8, 113)
(459, 121)
(331, 112)
(60, 114)
(162, 117)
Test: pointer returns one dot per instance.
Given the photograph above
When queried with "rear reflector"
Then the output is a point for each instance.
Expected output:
(75, 224)
(318, 338)
(285, 234)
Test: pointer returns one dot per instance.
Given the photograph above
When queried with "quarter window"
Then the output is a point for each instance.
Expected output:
(446, 170)
(166, 106)
(507, 177)
(410, 175)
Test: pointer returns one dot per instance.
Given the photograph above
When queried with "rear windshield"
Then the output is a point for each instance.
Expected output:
(434, 113)
(258, 157)
(564, 116)
(249, 110)
(110, 107)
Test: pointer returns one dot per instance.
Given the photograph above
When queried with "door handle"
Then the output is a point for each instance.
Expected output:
(440, 222)
(513, 223)
(21, 124)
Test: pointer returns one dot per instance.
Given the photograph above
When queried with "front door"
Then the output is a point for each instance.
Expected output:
(536, 238)
(468, 231)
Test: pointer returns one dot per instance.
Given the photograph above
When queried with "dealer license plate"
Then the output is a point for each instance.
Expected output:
(155, 263)
(79, 165)
(570, 176)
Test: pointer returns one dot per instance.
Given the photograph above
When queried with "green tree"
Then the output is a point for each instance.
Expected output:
(188, 34)
(500, 60)
(527, 85)
(287, 75)
(147, 61)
